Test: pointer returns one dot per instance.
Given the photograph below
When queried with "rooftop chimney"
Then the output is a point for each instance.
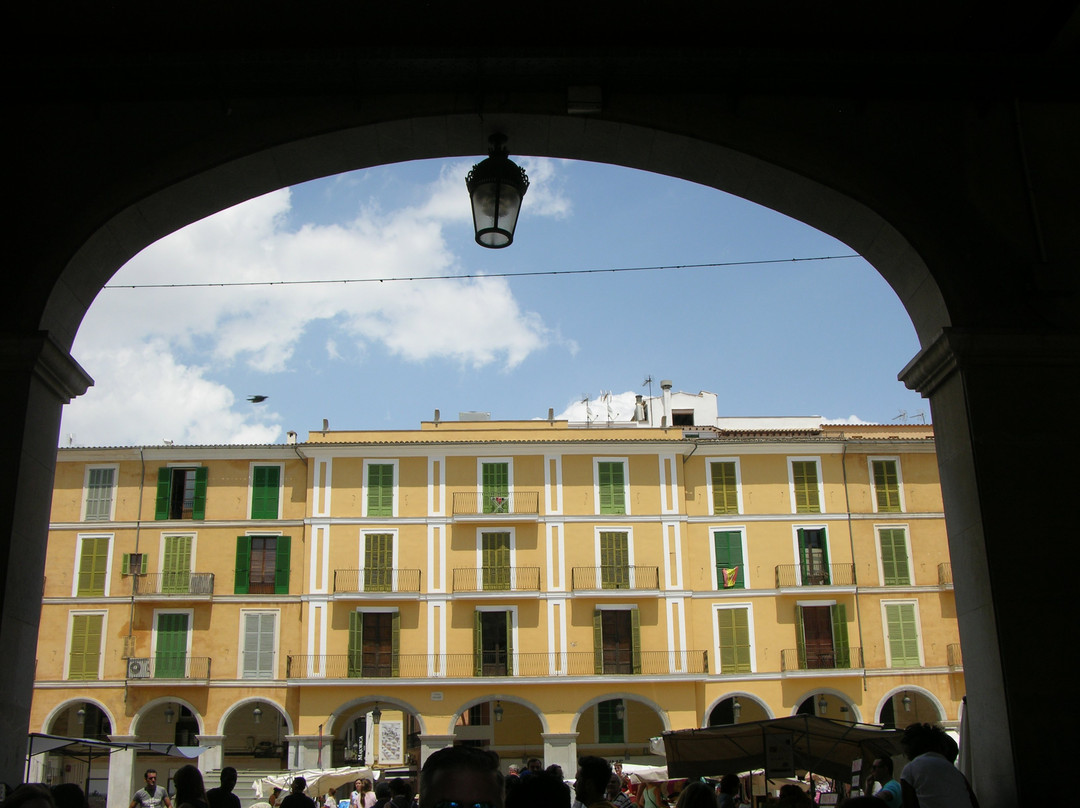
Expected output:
(665, 385)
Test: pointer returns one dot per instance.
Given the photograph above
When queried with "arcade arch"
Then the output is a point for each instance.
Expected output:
(908, 705)
(828, 703)
(256, 732)
(736, 708)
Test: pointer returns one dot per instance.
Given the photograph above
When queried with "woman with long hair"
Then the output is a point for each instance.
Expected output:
(190, 790)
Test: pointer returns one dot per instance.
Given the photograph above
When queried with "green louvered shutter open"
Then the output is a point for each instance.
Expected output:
(395, 639)
(800, 638)
(887, 486)
(198, 504)
(635, 637)
(356, 645)
(281, 565)
(380, 494)
(495, 487)
(265, 488)
(894, 560)
(478, 643)
(85, 655)
(598, 642)
(509, 643)
(728, 546)
(242, 581)
(612, 482)
(903, 635)
(724, 488)
(841, 648)
(161, 502)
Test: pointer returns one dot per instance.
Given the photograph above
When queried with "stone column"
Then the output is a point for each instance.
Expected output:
(561, 748)
(121, 773)
(39, 378)
(433, 743)
(304, 751)
(1004, 407)
(214, 756)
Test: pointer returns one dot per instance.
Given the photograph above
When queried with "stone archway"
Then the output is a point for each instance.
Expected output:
(736, 708)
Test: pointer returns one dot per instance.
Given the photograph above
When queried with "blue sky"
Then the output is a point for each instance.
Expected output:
(808, 338)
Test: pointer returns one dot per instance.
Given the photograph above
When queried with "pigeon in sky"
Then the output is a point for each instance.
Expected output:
(257, 399)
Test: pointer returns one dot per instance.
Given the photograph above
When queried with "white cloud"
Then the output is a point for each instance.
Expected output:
(602, 407)
(851, 419)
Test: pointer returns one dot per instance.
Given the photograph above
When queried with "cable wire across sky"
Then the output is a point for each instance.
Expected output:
(535, 273)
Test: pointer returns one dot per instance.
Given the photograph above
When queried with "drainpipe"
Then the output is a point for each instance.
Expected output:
(134, 579)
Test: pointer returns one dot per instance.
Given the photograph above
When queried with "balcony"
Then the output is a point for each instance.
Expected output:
(617, 578)
(464, 666)
(954, 655)
(517, 506)
(944, 574)
(173, 585)
(167, 667)
(496, 579)
(797, 659)
(375, 581)
(798, 575)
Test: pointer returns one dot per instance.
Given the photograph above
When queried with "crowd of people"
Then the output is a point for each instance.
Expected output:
(469, 777)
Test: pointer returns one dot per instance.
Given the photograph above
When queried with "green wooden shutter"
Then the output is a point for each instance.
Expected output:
(887, 486)
(495, 561)
(171, 650)
(734, 640)
(93, 566)
(378, 562)
(281, 565)
(176, 565)
(728, 546)
(614, 560)
(805, 477)
(813, 567)
(356, 645)
(198, 505)
(509, 643)
(612, 492)
(495, 482)
(395, 638)
(265, 490)
(894, 560)
(903, 635)
(380, 495)
(598, 642)
(478, 644)
(242, 582)
(841, 648)
(635, 637)
(800, 638)
(725, 491)
(85, 654)
(164, 483)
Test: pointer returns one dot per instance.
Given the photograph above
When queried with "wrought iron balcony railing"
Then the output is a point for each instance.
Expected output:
(788, 575)
(944, 574)
(496, 579)
(615, 577)
(541, 664)
(798, 659)
(168, 666)
(520, 503)
(173, 583)
(954, 655)
(379, 579)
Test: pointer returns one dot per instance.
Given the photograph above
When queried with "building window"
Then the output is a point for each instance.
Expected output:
(895, 567)
(617, 641)
(133, 564)
(495, 561)
(886, 473)
(260, 640)
(728, 551)
(495, 487)
(171, 645)
(181, 493)
(805, 486)
(614, 560)
(902, 635)
(265, 491)
(84, 658)
(373, 644)
(380, 489)
(100, 493)
(493, 643)
(176, 565)
(725, 490)
(262, 565)
(821, 636)
(733, 640)
(611, 482)
(378, 562)
(813, 556)
(610, 727)
(93, 566)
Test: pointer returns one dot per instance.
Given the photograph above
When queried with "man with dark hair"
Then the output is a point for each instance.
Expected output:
(591, 782)
(297, 798)
(461, 777)
(889, 792)
(151, 795)
(222, 796)
(929, 780)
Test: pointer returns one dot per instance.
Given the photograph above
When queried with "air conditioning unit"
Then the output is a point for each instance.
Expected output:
(138, 668)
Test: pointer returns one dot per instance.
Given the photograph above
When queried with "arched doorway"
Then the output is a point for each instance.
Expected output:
(505, 726)
(255, 737)
(737, 709)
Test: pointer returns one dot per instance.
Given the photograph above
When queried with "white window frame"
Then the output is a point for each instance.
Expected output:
(629, 531)
(738, 483)
(878, 527)
(244, 613)
(480, 553)
(183, 533)
(885, 630)
(78, 562)
(795, 546)
(372, 531)
(101, 650)
(513, 627)
(112, 494)
(791, 482)
(716, 609)
(190, 630)
(899, 481)
(741, 530)
(596, 483)
(374, 461)
(251, 487)
(480, 461)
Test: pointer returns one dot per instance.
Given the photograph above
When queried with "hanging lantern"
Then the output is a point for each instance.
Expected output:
(376, 715)
(498, 711)
(170, 714)
(257, 714)
(496, 188)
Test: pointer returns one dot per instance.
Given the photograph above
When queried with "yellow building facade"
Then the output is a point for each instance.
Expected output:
(538, 588)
